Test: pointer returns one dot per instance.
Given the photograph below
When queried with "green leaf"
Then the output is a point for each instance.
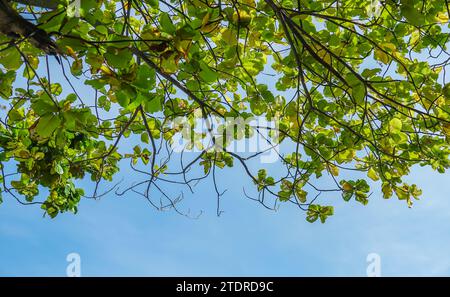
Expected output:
(446, 91)
(387, 190)
(52, 21)
(10, 58)
(166, 23)
(70, 119)
(229, 36)
(145, 78)
(47, 125)
(77, 68)
(153, 3)
(265, 93)
(126, 94)
(395, 125)
(152, 104)
(402, 192)
(347, 196)
(145, 137)
(359, 93)
(373, 174)
(412, 15)
(368, 73)
(208, 75)
(58, 169)
(43, 105)
(6, 83)
(118, 58)
(169, 64)
(262, 173)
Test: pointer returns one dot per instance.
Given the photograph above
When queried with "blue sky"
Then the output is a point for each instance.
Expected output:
(125, 236)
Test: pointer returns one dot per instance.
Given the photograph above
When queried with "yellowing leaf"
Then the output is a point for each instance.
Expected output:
(389, 47)
(322, 53)
(334, 170)
(71, 52)
(39, 156)
(446, 129)
(183, 46)
(395, 125)
(347, 187)
(229, 36)
(170, 64)
(442, 17)
(241, 18)
(373, 174)
(381, 56)
(415, 36)
(387, 191)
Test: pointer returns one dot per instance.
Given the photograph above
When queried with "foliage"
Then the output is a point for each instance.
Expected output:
(352, 89)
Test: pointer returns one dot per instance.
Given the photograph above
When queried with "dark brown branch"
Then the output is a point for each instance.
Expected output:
(15, 26)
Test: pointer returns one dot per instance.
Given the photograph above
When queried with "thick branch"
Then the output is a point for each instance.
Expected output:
(15, 26)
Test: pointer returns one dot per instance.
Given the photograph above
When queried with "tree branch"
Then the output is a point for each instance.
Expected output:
(14, 25)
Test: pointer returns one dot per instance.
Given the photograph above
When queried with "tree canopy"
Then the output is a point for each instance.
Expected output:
(354, 86)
